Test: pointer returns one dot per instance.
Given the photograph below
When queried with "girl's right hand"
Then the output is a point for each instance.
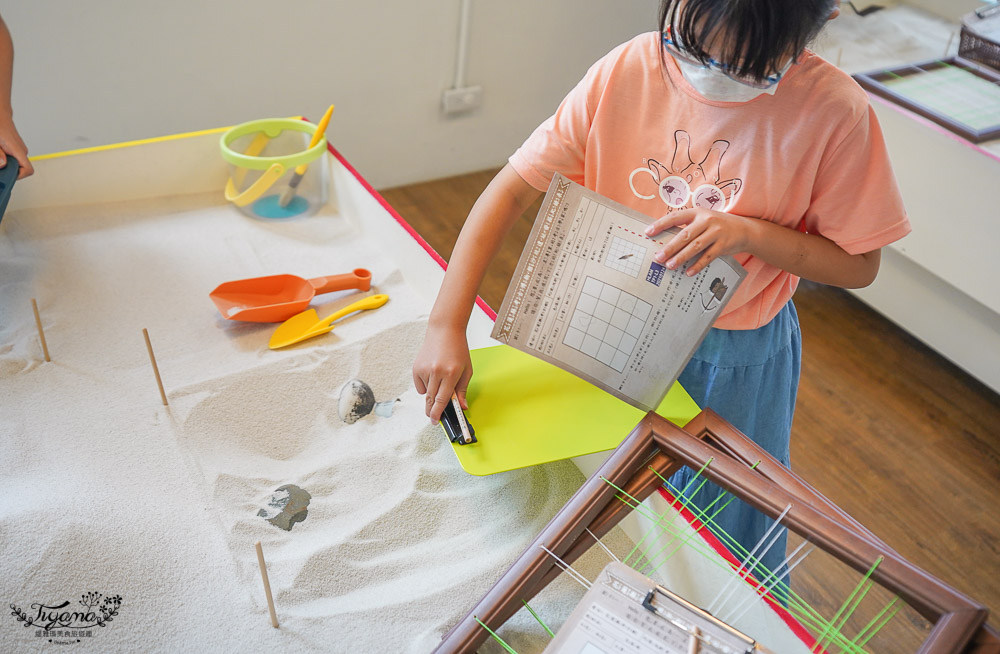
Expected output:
(442, 367)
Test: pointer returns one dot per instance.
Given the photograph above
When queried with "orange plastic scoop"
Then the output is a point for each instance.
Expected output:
(308, 323)
(277, 298)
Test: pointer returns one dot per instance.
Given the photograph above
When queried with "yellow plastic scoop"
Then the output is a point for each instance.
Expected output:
(308, 324)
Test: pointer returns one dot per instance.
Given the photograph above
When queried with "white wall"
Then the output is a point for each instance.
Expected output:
(104, 71)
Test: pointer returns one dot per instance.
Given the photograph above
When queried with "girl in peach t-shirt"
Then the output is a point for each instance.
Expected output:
(721, 122)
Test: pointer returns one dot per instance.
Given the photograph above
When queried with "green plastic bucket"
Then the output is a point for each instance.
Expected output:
(264, 157)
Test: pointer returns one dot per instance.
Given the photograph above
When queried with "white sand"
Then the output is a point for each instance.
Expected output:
(104, 489)
(395, 528)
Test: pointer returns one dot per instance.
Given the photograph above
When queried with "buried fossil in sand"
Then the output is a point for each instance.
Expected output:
(357, 400)
(288, 505)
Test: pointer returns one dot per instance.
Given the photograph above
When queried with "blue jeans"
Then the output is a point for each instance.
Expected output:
(750, 378)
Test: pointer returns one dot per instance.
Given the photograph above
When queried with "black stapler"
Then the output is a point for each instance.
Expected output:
(452, 421)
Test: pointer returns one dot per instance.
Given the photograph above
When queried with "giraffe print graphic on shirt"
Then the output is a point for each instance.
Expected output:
(685, 182)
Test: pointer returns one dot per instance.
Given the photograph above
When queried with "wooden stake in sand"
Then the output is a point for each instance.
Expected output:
(41, 334)
(156, 371)
(267, 585)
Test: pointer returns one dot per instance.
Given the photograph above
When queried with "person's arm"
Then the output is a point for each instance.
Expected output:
(809, 256)
(10, 141)
(443, 365)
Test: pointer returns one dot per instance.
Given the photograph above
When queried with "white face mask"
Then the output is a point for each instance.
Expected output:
(713, 85)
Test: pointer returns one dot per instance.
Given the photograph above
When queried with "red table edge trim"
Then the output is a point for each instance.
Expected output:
(402, 222)
(710, 539)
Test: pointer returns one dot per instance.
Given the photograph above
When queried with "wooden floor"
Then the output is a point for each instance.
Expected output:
(896, 435)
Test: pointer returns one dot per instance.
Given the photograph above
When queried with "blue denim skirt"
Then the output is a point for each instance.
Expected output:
(750, 378)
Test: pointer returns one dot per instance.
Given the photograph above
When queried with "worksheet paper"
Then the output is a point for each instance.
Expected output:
(628, 613)
(588, 297)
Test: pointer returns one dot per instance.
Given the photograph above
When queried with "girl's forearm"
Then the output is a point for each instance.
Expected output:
(811, 256)
(491, 218)
(6, 68)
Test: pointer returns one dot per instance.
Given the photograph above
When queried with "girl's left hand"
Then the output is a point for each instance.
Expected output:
(11, 145)
(711, 234)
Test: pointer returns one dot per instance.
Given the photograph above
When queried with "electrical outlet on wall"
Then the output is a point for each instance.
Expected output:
(457, 101)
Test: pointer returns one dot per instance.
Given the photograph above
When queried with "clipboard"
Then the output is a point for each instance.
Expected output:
(626, 611)
(528, 412)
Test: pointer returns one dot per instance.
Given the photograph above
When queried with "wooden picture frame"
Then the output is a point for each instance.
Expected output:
(657, 447)
(875, 83)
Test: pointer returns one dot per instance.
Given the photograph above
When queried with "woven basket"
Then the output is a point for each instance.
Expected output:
(980, 37)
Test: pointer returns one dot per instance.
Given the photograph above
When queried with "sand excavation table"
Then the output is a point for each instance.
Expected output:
(129, 525)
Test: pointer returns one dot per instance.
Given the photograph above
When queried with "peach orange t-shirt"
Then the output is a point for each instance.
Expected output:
(809, 157)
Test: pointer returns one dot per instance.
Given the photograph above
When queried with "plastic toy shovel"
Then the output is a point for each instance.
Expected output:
(279, 297)
(308, 324)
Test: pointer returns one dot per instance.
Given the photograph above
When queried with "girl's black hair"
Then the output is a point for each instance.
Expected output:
(753, 37)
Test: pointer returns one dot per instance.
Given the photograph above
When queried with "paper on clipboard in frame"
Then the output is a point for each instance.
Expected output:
(588, 297)
(625, 611)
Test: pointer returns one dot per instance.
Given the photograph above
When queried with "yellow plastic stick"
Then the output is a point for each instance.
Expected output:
(293, 183)
(317, 137)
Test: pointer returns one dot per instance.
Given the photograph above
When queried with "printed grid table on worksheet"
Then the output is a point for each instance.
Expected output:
(625, 256)
(606, 323)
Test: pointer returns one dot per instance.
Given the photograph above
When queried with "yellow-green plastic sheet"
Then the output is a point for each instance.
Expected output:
(527, 411)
